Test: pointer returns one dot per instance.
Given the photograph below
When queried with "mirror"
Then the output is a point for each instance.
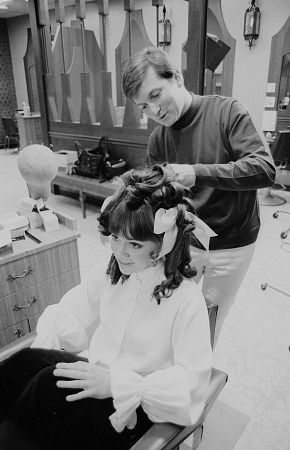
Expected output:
(284, 89)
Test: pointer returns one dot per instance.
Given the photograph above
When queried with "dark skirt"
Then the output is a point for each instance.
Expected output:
(34, 414)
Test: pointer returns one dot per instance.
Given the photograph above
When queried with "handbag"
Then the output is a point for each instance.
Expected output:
(96, 162)
(90, 162)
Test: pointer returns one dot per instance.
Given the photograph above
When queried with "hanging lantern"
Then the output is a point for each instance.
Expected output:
(252, 23)
(164, 30)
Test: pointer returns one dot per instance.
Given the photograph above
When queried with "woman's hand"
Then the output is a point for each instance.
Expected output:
(94, 380)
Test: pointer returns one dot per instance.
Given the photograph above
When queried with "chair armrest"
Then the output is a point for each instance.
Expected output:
(167, 436)
(218, 380)
(157, 437)
(22, 342)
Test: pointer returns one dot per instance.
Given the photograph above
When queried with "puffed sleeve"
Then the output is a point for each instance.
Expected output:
(175, 394)
(64, 325)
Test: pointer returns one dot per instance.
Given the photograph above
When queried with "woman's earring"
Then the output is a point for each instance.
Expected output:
(154, 259)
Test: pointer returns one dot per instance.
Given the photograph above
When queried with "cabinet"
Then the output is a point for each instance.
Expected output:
(29, 128)
(34, 276)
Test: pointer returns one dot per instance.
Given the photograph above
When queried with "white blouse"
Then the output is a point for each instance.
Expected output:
(159, 356)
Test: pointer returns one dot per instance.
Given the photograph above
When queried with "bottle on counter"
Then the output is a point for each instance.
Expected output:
(26, 109)
(285, 101)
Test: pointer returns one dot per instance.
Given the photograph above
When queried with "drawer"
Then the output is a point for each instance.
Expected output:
(30, 270)
(14, 332)
(33, 300)
(62, 258)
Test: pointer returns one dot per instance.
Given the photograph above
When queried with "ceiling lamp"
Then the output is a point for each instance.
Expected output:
(164, 33)
(252, 19)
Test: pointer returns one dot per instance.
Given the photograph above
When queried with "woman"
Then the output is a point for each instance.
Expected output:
(149, 357)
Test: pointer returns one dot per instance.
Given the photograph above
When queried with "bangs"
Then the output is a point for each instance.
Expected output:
(132, 224)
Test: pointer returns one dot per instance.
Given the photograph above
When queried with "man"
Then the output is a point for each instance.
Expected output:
(214, 148)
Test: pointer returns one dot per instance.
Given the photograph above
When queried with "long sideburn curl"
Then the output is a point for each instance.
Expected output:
(177, 262)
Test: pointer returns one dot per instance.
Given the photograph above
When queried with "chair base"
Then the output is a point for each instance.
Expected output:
(271, 200)
(265, 285)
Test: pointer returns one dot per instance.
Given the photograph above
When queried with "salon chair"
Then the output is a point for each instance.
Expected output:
(281, 155)
(11, 132)
(280, 149)
(161, 436)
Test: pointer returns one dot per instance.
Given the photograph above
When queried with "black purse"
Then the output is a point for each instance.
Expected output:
(90, 162)
(96, 163)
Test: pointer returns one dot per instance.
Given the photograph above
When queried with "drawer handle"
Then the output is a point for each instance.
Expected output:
(13, 277)
(17, 307)
(18, 333)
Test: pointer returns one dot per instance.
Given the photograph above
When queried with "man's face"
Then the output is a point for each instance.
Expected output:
(162, 99)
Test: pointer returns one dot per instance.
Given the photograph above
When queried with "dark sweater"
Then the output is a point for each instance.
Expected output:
(231, 161)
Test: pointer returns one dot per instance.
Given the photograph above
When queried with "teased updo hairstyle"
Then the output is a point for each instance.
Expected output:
(131, 213)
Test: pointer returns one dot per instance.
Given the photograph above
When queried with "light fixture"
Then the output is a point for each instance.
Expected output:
(252, 23)
(164, 30)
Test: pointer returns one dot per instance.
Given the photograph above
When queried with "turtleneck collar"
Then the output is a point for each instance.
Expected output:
(189, 115)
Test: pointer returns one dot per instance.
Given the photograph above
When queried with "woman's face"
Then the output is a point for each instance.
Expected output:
(133, 256)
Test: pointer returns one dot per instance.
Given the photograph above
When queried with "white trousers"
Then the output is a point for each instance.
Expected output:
(221, 273)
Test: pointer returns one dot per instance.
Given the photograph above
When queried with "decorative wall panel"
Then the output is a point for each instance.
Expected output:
(8, 103)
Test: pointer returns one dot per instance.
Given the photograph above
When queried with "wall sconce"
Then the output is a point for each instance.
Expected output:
(252, 23)
(164, 30)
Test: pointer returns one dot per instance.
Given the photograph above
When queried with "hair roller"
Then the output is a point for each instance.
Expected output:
(134, 197)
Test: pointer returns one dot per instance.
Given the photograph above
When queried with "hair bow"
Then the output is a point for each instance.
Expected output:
(202, 231)
(165, 222)
(106, 202)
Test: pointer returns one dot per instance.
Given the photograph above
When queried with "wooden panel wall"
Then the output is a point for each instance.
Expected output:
(30, 74)
(75, 87)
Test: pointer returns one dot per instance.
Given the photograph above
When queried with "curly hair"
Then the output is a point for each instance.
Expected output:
(131, 212)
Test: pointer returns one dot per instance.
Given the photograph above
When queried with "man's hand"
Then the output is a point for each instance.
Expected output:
(94, 380)
(185, 174)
